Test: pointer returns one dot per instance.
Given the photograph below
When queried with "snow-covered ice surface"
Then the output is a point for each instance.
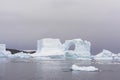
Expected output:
(117, 57)
(53, 49)
(5, 54)
(2, 47)
(83, 68)
(22, 55)
(2, 50)
(71, 55)
(81, 51)
(105, 55)
(82, 48)
(49, 47)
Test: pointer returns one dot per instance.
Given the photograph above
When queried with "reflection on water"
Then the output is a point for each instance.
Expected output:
(54, 70)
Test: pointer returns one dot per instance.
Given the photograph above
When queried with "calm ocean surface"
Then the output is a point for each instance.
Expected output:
(55, 70)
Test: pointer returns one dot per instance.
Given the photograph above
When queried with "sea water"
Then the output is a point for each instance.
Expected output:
(55, 70)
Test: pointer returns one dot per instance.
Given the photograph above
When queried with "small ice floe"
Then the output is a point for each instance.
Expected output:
(83, 68)
(21, 55)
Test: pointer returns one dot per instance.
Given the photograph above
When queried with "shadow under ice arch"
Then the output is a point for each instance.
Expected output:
(68, 44)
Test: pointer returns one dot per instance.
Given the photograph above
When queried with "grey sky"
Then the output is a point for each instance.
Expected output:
(23, 22)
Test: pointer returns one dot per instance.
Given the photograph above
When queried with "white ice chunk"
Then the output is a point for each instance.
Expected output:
(71, 55)
(118, 54)
(83, 68)
(3, 52)
(21, 55)
(105, 55)
(49, 47)
(2, 47)
(82, 48)
(117, 57)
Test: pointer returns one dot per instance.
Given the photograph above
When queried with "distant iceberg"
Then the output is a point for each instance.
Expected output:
(105, 55)
(83, 68)
(117, 57)
(71, 55)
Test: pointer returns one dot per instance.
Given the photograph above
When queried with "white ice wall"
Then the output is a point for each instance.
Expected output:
(3, 52)
(2, 47)
(49, 47)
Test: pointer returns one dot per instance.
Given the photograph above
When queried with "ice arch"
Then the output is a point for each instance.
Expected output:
(82, 48)
(68, 44)
(71, 47)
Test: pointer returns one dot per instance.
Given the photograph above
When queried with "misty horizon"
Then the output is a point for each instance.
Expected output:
(24, 22)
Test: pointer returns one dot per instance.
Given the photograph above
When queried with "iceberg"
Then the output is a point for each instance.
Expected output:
(49, 47)
(71, 55)
(118, 54)
(105, 55)
(3, 52)
(116, 57)
(7, 54)
(2, 47)
(83, 68)
(82, 48)
(21, 55)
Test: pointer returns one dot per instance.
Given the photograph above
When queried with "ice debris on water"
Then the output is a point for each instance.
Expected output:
(83, 68)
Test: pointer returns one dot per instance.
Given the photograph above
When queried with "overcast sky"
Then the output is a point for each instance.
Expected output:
(23, 22)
